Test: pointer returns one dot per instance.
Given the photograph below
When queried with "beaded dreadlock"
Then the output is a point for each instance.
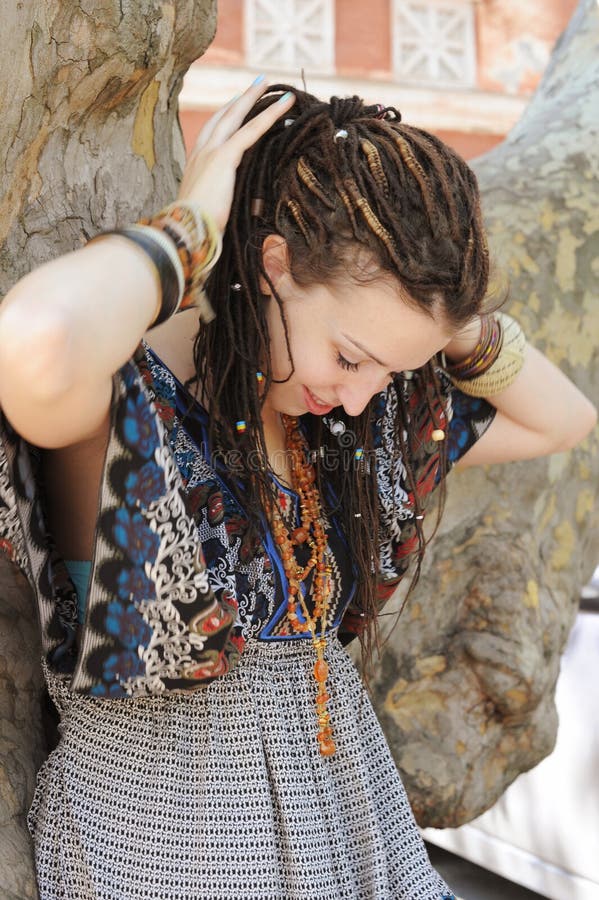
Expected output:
(395, 190)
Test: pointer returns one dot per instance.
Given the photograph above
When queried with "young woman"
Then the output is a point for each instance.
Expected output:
(236, 502)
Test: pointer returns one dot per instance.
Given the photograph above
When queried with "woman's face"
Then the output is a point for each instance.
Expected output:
(346, 340)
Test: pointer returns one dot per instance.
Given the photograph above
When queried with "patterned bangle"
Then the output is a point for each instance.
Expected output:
(199, 243)
(506, 366)
(163, 254)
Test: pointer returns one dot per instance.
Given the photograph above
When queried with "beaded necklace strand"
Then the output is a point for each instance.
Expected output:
(311, 531)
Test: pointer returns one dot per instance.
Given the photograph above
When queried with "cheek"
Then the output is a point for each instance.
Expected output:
(312, 355)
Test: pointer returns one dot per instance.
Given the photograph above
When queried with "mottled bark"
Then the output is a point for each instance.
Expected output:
(466, 684)
(89, 139)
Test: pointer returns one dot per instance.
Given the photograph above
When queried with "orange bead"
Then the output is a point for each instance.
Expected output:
(322, 697)
(327, 748)
(324, 734)
(299, 536)
(321, 670)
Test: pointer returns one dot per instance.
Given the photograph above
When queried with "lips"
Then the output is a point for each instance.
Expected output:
(315, 406)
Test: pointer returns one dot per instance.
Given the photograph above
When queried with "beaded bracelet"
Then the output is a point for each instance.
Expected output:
(505, 367)
(162, 252)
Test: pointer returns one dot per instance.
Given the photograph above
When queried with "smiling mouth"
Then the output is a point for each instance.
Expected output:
(315, 404)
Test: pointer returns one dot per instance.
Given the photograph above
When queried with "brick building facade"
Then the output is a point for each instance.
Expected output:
(463, 69)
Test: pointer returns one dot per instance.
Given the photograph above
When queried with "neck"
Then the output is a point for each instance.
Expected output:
(276, 445)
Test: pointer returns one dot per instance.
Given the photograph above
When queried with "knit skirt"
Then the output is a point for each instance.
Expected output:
(222, 793)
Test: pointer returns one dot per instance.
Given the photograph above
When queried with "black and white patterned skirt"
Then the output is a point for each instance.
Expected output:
(222, 793)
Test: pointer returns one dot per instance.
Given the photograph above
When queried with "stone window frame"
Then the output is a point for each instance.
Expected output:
(406, 53)
(319, 15)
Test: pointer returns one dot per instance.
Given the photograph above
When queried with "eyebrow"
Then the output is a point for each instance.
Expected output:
(367, 352)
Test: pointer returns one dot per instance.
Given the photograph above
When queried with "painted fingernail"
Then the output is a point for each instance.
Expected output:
(258, 80)
(286, 96)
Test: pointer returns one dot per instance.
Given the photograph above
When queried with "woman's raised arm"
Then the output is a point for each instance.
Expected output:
(541, 412)
(69, 325)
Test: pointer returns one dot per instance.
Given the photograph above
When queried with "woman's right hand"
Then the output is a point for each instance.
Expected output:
(209, 176)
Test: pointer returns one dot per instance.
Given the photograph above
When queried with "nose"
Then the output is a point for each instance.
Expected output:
(354, 396)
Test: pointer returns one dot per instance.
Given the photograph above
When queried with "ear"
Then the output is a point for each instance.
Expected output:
(275, 259)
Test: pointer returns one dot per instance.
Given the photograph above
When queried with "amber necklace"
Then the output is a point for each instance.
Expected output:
(311, 531)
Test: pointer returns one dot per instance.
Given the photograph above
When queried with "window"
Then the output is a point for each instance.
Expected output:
(433, 42)
(290, 34)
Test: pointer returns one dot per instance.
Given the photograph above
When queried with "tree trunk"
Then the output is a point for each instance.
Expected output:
(89, 140)
(465, 689)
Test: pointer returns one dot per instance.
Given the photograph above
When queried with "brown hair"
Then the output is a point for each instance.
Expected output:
(329, 177)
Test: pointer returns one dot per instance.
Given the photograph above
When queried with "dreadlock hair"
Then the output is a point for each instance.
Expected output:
(332, 178)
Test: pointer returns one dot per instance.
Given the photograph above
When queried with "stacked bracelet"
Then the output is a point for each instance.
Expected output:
(163, 254)
(484, 354)
(198, 242)
(475, 376)
(184, 244)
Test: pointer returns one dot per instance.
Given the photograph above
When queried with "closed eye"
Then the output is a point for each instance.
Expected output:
(346, 364)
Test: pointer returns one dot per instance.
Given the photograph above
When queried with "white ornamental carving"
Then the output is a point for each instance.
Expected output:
(434, 42)
(290, 34)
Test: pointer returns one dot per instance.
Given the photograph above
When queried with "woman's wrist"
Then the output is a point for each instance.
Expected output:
(182, 244)
(485, 365)
(198, 241)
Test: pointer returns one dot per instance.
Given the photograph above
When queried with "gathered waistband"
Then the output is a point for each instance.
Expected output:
(257, 654)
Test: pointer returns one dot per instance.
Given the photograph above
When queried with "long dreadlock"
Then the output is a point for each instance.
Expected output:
(330, 177)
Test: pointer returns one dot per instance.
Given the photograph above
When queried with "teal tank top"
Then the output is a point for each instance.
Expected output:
(80, 572)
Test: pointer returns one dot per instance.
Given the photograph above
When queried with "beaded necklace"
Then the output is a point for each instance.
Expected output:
(311, 531)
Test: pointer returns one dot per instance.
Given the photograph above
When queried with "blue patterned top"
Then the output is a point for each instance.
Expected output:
(178, 583)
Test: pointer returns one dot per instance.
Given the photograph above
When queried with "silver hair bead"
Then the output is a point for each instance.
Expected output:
(340, 135)
(338, 428)
(236, 286)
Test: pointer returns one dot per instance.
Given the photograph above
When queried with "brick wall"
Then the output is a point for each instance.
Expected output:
(514, 39)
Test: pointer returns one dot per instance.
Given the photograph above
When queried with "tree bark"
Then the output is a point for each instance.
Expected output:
(465, 688)
(90, 140)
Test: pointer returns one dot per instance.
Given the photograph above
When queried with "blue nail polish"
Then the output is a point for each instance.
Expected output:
(258, 80)
(285, 97)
